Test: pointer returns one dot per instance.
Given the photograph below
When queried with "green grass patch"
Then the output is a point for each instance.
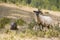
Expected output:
(4, 21)
(20, 22)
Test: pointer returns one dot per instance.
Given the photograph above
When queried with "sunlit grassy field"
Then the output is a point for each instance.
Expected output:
(26, 33)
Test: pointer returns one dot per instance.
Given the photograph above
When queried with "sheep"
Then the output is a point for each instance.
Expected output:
(14, 26)
(44, 21)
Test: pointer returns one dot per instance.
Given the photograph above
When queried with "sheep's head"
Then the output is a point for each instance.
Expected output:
(38, 12)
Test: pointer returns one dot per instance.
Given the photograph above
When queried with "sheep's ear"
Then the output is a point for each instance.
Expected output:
(40, 12)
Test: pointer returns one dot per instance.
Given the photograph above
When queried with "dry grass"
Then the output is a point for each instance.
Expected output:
(13, 35)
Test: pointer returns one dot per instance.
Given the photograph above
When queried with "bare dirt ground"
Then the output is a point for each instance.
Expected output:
(25, 12)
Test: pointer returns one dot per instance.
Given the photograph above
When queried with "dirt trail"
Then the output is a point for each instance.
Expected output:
(14, 12)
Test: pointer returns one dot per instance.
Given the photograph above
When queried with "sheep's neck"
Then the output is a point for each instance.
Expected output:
(38, 19)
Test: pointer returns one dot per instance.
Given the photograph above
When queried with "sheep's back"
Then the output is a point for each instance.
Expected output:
(46, 19)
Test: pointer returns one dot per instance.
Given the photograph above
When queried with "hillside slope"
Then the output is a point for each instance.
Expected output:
(16, 12)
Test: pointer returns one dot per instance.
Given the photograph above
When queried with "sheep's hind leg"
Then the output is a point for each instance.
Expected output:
(49, 26)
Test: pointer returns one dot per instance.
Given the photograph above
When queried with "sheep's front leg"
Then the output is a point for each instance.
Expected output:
(40, 27)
